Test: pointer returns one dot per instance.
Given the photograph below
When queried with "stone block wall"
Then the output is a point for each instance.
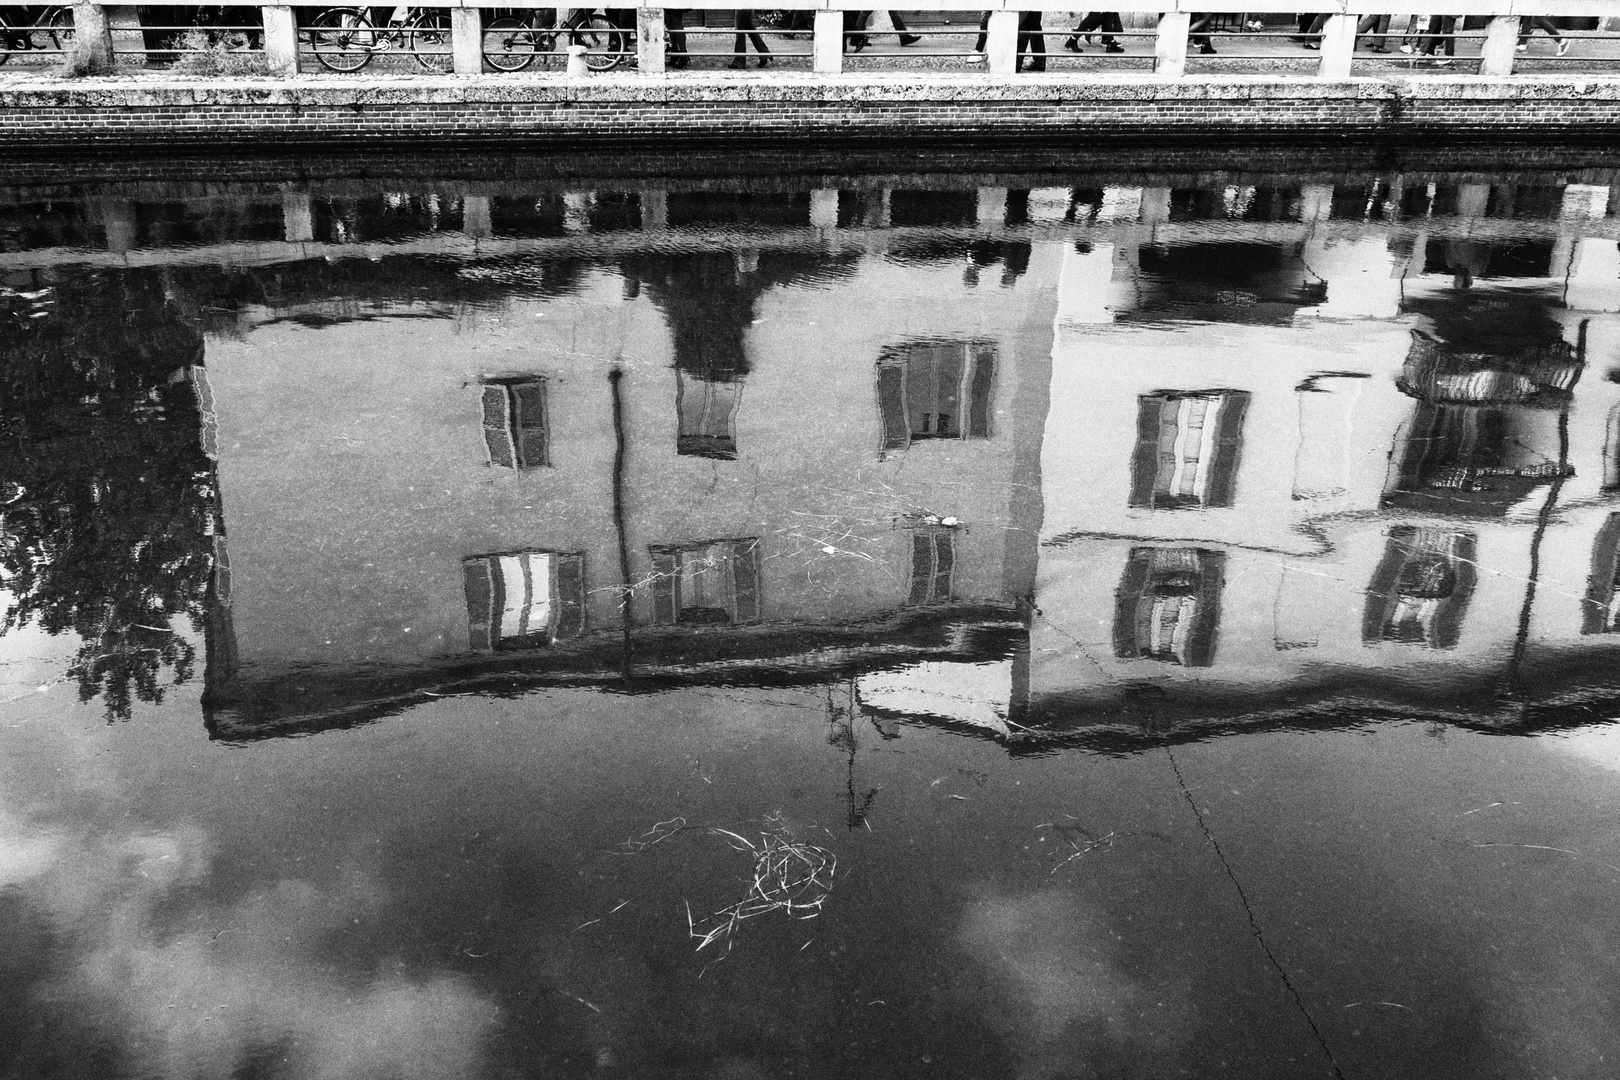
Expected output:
(630, 110)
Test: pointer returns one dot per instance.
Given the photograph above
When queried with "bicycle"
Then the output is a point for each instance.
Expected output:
(511, 43)
(50, 31)
(343, 38)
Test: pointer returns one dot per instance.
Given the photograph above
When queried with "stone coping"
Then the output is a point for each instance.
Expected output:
(22, 90)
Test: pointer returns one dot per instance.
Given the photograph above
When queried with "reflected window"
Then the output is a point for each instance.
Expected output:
(935, 390)
(1187, 447)
(515, 422)
(708, 414)
(1602, 607)
(933, 560)
(524, 599)
(712, 582)
(1169, 605)
(1420, 591)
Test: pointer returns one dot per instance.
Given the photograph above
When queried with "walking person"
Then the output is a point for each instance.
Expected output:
(1376, 27)
(1031, 39)
(675, 37)
(1106, 21)
(1529, 24)
(747, 31)
(1198, 32)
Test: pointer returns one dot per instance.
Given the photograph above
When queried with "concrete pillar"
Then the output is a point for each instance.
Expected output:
(1338, 47)
(280, 41)
(650, 40)
(475, 219)
(118, 219)
(1170, 47)
(1001, 42)
(1613, 207)
(92, 49)
(297, 217)
(467, 40)
(654, 210)
(124, 26)
(828, 44)
(1496, 55)
(992, 212)
(824, 209)
(1085, 284)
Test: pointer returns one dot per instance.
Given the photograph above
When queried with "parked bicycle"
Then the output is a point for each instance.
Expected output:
(345, 39)
(512, 41)
(48, 29)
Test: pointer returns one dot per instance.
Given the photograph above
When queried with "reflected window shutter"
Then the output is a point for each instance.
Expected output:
(745, 578)
(1145, 459)
(1448, 616)
(480, 603)
(663, 587)
(1132, 587)
(1222, 486)
(569, 595)
(497, 436)
(1206, 625)
(922, 566)
(892, 404)
(1600, 586)
(944, 562)
(978, 408)
(529, 424)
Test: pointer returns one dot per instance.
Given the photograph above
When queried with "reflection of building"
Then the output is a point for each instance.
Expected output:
(849, 448)
(414, 500)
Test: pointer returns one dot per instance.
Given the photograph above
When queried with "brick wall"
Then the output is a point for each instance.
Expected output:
(633, 110)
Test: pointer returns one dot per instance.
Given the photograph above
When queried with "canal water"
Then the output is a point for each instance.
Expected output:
(923, 625)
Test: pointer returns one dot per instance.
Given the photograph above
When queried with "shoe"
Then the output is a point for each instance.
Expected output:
(1072, 44)
(1563, 46)
(910, 39)
(858, 44)
(1377, 48)
(1444, 63)
(1312, 45)
(1113, 47)
(1407, 49)
(1207, 50)
(763, 61)
(976, 58)
(1521, 48)
(679, 63)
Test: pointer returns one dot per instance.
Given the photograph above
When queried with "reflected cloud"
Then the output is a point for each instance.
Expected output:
(177, 987)
(1068, 998)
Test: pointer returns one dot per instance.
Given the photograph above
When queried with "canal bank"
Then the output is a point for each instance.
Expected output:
(162, 113)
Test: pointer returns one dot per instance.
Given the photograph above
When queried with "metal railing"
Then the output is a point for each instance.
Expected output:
(466, 38)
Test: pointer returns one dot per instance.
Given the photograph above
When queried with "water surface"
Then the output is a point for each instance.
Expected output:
(906, 626)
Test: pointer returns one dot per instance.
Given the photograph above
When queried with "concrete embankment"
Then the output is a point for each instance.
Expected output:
(146, 113)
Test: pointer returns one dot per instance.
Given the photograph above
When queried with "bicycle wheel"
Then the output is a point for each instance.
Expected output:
(342, 38)
(57, 25)
(603, 43)
(509, 44)
(430, 40)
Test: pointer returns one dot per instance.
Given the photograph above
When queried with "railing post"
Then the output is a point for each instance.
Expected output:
(466, 40)
(654, 210)
(1170, 47)
(650, 40)
(1338, 47)
(992, 209)
(828, 43)
(280, 41)
(1001, 42)
(1496, 56)
(92, 39)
